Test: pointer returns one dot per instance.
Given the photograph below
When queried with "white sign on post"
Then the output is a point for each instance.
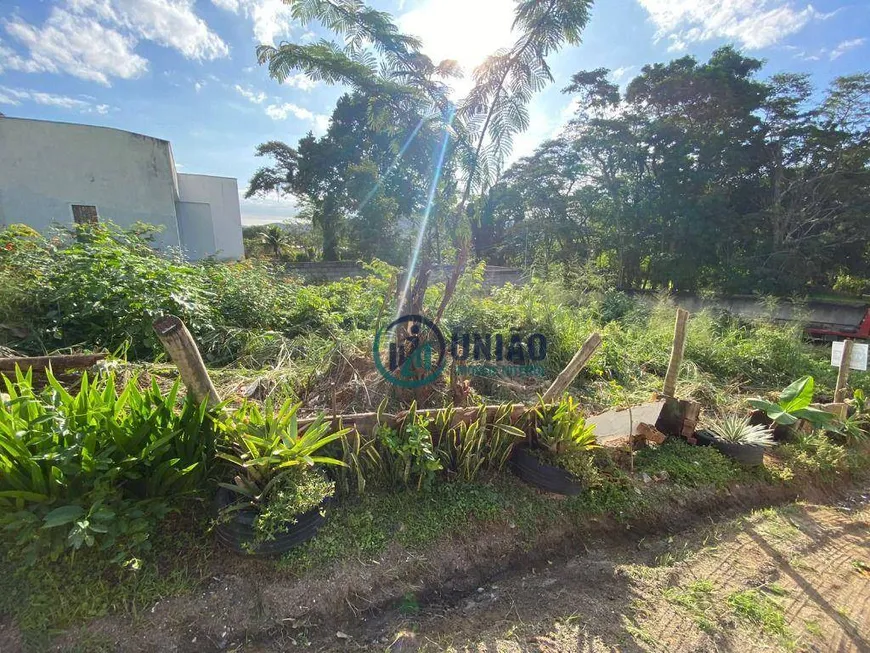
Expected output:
(859, 356)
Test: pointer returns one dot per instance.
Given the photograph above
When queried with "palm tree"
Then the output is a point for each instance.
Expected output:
(380, 62)
(275, 239)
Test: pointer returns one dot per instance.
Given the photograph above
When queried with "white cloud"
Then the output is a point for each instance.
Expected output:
(265, 210)
(282, 111)
(250, 95)
(77, 45)
(301, 81)
(271, 18)
(95, 39)
(17, 96)
(197, 86)
(845, 46)
(172, 23)
(617, 74)
(754, 24)
(285, 110)
(321, 122)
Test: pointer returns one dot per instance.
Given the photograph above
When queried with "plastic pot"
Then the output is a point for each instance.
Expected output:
(237, 532)
(547, 477)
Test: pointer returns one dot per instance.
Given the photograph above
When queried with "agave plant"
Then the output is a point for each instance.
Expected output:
(738, 430)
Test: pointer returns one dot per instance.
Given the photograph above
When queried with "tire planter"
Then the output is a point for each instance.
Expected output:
(704, 438)
(750, 455)
(781, 433)
(547, 477)
(237, 534)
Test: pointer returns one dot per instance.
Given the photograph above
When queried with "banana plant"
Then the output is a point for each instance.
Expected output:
(794, 404)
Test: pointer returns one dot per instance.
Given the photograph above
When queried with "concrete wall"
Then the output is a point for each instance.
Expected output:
(47, 166)
(196, 229)
(823, 314)
(222, 195)
(325, 271)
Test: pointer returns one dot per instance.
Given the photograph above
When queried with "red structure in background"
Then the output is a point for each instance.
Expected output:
(860, 333)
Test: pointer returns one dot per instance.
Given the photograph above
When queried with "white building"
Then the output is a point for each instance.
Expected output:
(61, 173)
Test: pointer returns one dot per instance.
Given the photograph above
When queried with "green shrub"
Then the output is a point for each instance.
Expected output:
(101, 288)
(407, 455)
(471, 449)
(272, 461)
(96, 465)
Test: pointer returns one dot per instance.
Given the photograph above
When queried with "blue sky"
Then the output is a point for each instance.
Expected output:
(185, 70)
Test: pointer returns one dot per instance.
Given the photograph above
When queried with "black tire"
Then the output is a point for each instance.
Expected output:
(704, 438)
(750, 455)
(237, 533)
(549, 478)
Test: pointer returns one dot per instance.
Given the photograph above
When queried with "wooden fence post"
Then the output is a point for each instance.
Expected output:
(676, 353)
(182, 349)
(572, 369)
(843, 374)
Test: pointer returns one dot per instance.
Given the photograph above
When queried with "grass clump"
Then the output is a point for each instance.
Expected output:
(759, 608)
(688, 465)
(697, 599)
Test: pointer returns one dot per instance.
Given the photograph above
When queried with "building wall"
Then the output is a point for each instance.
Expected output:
(222, 195)
(196, 230)
(47, 166)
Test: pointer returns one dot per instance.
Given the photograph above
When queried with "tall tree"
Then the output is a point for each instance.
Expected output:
(378, 61)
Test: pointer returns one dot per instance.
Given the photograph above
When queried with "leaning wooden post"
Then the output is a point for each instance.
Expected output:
(843, 374)
(573, 368)
(182, 349)
(676, 353)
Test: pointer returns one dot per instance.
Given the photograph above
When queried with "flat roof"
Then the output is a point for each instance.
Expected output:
(81, 124)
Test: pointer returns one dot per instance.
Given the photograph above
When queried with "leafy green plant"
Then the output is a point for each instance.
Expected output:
(96, 465)
(272, 460)
(794, 404)
(407, 454)
(738, 430)
(564, 439)
(562, 429)
(855, 428)
(481, 444)
(815, 453)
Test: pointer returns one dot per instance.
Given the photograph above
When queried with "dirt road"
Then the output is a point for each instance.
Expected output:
(795, 578)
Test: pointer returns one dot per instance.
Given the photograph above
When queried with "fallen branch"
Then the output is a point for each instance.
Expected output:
(59, 363)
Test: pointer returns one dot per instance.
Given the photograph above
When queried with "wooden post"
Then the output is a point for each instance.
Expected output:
(572, 369)
(182, 349)
(676, 353)
(843, 375)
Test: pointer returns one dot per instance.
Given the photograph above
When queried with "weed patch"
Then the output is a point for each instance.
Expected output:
(688, 465)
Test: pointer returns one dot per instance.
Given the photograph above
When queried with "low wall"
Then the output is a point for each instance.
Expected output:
(326, 271)
(826, 314)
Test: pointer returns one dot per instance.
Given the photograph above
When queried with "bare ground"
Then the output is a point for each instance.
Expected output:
(661, 583)
(794, 578)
